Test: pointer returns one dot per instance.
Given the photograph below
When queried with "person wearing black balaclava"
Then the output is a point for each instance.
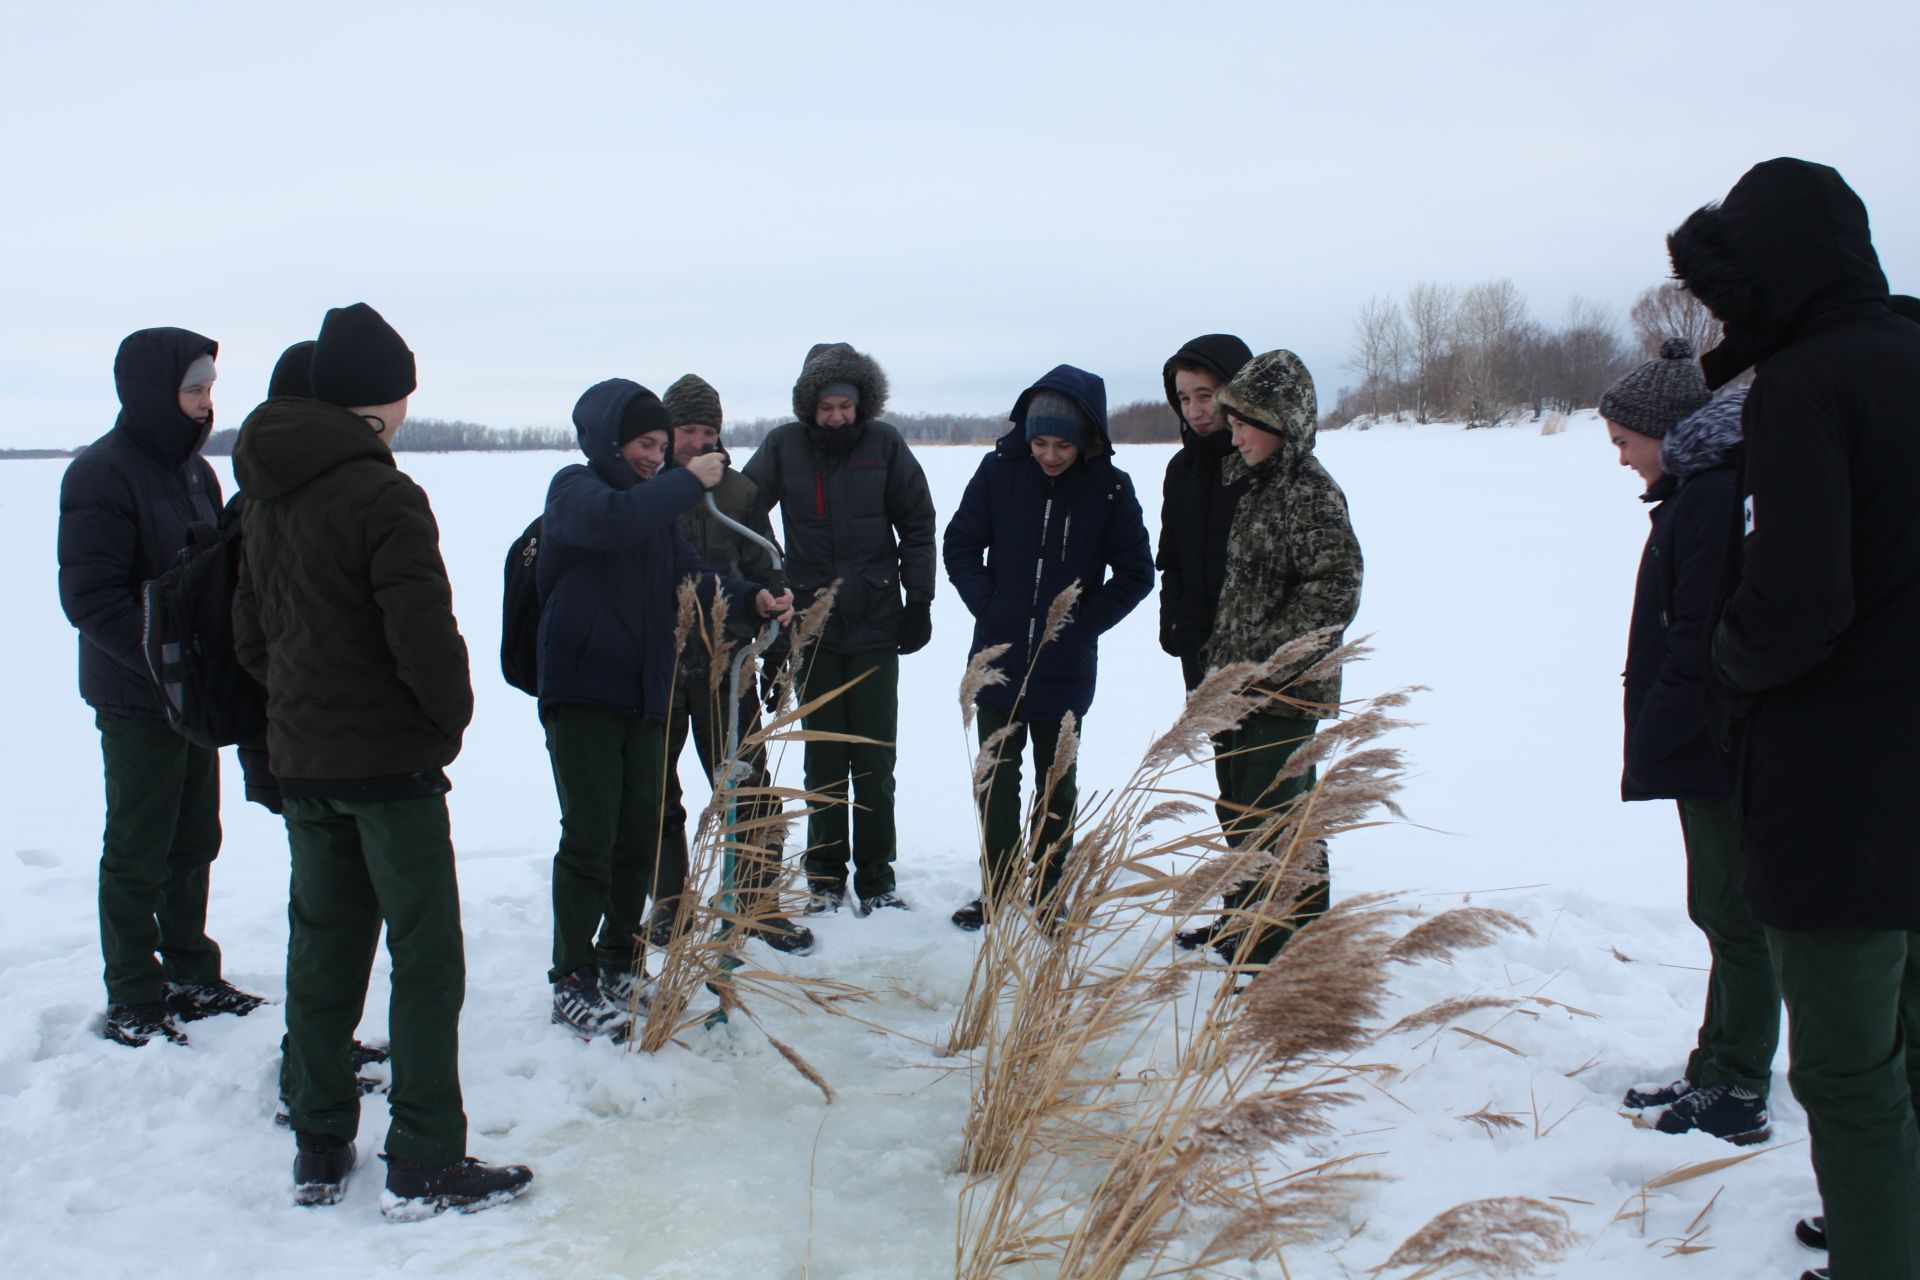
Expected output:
(126, 503)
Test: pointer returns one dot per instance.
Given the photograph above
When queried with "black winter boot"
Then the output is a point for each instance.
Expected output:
(1812, 1232)
(972, 917)
(135, 1024)
(783, 935)
(321, 1164)
(192, 1001)
(417, 1191)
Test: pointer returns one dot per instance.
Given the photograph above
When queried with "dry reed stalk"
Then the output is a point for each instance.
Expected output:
(1503, 1236)
(1054, 1009)
(704, 949)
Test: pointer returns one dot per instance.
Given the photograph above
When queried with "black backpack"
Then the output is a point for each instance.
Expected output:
(520, 613)
(187, 636)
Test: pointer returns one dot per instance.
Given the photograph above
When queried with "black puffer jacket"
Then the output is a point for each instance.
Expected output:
(343, 610)
(1196, 512)
(1820, 631)
(125, 504)
(854, 503)
(1669, 753)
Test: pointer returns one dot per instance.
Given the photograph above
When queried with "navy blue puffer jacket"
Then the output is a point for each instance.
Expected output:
(125, 504)
(1021, 537)
(610, 566)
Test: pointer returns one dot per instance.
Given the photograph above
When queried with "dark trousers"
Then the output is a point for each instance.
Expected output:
(696, 714)
(1000, 803)
(1193, 670)
(609, 769)
(162, 834)
(871, 709)
(1741, 1027)
(1252, 758)
(356, 865)
(1853, 996)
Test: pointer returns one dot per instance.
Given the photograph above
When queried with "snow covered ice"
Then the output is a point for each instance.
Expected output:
(1500, 569)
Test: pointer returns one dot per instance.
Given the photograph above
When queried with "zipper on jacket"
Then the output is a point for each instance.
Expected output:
(1039, 563)
(819, 493)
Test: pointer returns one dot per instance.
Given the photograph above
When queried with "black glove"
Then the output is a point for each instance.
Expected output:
(916, 627)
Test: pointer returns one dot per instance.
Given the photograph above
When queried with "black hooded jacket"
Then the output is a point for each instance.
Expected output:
(343, 609)
(854, 503)
(125, 504)
(1669, 753)
(1196, 512)
(1818, 637)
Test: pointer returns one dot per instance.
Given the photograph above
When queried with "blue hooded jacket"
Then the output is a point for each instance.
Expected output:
(610, 567)
(1021, 537)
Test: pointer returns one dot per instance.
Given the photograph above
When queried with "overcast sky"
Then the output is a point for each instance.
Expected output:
(539, 197)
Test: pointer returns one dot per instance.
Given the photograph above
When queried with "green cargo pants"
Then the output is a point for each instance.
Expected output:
(871, 709)
(1000, 804)
(357, 865)
(1253, 756)
(1741, 1027)
(1851, 997)
(162, 834)
(610, 771)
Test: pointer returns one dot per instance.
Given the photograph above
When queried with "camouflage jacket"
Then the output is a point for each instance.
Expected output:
(1293, 563)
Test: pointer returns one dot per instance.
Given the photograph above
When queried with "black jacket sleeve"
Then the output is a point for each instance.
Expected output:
(910, 510)
(99, 547)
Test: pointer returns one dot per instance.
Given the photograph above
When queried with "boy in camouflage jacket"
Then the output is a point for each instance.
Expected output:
(1293, 567)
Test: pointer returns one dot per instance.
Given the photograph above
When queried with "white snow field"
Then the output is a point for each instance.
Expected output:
(1500, 567)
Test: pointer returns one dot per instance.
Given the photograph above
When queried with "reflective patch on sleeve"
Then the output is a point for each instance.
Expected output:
(1747, 515)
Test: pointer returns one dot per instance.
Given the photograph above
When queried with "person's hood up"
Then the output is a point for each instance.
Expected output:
(1088, 390)
(1274, 391)
(1705, 438)
(1789, 245)
(146, 374)
(289, 440)
(831, 362)
(596, 421)
(1221, 353)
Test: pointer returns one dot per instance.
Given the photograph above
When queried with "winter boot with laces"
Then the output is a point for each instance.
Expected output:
(824, 897)
(1646, 1096)
(582, 1008)
(321, 1165)
(1735, 1115)
(621, 987)
(135, 1024)
(192, 1001)
(417, 1191)
(783, 935)
(881, 901)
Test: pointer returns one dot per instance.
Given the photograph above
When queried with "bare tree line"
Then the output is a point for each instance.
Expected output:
(1475, 355)
(437, 435)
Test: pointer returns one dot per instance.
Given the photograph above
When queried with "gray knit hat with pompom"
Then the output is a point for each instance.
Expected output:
(1655, 396)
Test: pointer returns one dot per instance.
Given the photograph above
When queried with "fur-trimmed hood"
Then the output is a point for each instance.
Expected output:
(1789, 245)
(1705, 438)
(831, 362)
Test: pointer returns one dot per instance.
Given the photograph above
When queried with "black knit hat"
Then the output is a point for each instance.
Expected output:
(692, 401)
(1654, 397)
(293, 372)
(361, 360)
(643, 413)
